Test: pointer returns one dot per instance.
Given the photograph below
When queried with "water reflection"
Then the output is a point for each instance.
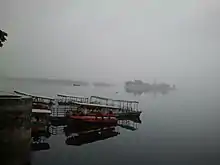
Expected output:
(78, 134)
(155, 93)
(90, 136)
(128, 124)
(38, 139)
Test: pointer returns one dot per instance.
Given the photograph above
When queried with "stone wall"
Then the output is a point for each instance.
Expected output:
(15, 129)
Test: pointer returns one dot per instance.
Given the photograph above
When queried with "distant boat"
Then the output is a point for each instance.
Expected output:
(77, 85)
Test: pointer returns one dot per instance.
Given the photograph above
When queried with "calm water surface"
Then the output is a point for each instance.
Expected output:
(181, 127)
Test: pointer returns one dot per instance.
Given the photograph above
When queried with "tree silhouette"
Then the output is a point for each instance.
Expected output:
(3, 36)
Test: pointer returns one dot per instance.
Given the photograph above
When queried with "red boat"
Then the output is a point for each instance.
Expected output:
(104, 119)
(93, 113)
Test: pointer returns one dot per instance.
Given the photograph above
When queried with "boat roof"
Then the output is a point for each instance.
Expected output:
(36, 96)
(40, 102)
(96, 105)
(129, 101)
(62, 95)
(105, 98)
(41, 111)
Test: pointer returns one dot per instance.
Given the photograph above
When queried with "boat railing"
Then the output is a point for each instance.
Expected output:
(71, 99)
(37, 98)
(128, 124)
(120, 104)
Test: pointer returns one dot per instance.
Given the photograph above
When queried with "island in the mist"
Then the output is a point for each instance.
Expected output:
(138, 86)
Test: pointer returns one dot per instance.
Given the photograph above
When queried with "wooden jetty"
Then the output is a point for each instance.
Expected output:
(71, 100)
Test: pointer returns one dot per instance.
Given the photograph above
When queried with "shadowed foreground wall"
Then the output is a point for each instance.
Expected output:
(15, 130)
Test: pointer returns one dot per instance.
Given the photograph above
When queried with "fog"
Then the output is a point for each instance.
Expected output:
(113, 40)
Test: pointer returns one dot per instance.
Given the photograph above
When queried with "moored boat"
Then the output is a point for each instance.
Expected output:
(93, 113)
(95, 119)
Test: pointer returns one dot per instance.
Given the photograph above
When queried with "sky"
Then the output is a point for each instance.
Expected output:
(113, 40)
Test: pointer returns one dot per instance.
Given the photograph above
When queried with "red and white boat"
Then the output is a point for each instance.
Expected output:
(96, 118)
(94, 113)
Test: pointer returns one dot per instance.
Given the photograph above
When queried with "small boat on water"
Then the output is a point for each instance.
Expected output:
(76, 85)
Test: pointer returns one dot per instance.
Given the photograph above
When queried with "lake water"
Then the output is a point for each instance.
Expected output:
(181, 127)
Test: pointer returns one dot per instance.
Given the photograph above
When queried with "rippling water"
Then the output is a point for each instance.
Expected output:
(181, 127)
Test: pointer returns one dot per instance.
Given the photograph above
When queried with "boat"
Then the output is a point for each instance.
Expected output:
(37, 98)
(77, 85)
(93, 113)
(95, 119)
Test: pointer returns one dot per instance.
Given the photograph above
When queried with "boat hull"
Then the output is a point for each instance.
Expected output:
(95, 119)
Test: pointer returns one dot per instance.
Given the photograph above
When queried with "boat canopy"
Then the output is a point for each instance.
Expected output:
(95, 105)
(69, 98)
(120, 104)
(110, 99)
(102, 98)
(129, 101)
(44, 111)
(34, 96)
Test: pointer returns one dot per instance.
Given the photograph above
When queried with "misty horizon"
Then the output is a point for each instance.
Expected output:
(110, 41)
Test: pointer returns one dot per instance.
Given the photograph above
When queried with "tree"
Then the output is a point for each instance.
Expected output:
(3, 36)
